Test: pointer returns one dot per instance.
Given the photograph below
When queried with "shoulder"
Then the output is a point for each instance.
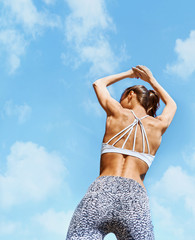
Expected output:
(155, 122)
(119, 118)
(113, 107)
(161, 123)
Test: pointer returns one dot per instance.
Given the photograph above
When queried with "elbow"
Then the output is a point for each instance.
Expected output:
(175, 105)
(98, 83)
(94, 84)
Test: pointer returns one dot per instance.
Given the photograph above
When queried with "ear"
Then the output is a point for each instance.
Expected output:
(131, 92)
(130, 96)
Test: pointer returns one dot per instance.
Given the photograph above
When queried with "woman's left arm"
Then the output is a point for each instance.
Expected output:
(109, 104)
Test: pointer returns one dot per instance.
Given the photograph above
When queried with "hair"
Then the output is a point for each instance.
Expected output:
(149, 99)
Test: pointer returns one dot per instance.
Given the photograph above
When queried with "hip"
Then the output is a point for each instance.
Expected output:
(118, 188)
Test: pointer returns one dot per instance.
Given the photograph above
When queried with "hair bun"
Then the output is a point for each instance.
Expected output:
(152, 92)
(153, 102)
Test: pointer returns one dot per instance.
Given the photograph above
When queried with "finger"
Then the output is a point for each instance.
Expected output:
(138, 67)
(143, 68)
(139, 75)
(139, 70)
(136, 75)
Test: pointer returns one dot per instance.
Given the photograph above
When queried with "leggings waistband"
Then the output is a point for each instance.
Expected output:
(116, 184)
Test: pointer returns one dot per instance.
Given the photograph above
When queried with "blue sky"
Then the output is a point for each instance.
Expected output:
(51, 126)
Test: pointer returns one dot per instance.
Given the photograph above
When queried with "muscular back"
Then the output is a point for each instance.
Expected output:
(115, 124)
(123, 165)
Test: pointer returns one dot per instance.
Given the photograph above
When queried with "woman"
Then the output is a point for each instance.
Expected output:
(117, 200)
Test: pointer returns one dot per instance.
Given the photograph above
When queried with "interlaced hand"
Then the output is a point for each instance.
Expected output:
(143, 72)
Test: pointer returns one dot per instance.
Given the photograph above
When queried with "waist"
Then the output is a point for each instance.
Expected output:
(147, 158)
(124, 166)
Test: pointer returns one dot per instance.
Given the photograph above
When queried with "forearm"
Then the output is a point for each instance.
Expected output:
(106, 81)
(166, 98)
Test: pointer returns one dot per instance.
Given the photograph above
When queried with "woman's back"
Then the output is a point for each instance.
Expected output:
(114, 124)
(113, 163)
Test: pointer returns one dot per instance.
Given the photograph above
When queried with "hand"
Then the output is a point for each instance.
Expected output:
(132, 74)
(143, 72)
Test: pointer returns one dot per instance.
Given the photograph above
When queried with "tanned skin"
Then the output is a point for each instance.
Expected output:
(119, 116)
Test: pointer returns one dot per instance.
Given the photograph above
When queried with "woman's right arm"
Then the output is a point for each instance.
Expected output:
(170, 106)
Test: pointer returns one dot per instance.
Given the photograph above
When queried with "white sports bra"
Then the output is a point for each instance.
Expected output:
(146, 157)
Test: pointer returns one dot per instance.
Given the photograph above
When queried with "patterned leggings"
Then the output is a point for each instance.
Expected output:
(112, 204)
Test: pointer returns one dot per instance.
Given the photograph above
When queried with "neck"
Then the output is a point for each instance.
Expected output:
(139, 111)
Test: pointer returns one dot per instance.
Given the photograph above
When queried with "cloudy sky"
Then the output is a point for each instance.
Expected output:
(51, 125)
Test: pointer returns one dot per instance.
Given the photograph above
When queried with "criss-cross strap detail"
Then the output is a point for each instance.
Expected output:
(146, 157)
(128, 130)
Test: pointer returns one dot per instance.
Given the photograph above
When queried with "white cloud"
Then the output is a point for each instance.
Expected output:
(25, 12)
(32, 174)
(85, 30)
(22, 112)
(101, 56)
(166, 223)
(20, 23)
(185, 64)
(175, 190)
(55, 222)
(82, 21)
(14, 44)
(8, 227)
(177, 184)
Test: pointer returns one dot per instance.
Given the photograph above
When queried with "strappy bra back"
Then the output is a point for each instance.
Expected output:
(146, 157)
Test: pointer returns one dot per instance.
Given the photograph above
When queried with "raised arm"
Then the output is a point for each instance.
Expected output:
(109, 104)
(170, 106)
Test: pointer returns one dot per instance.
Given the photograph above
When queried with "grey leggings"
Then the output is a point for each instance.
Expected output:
(112, 204)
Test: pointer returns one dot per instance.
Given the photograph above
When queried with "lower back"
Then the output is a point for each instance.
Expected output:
(115, 164)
